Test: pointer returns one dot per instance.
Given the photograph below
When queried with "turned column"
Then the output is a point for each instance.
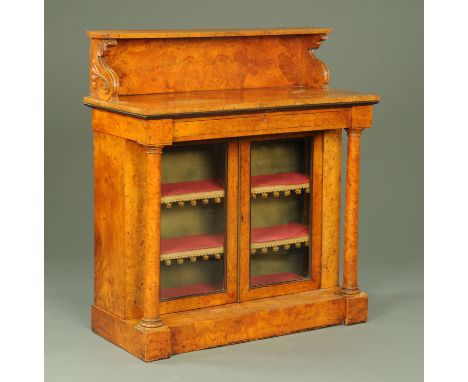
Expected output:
(350, 266)
(152, 238)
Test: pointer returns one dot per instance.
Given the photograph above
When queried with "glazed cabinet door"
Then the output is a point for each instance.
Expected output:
(199, 197)
(281, 185)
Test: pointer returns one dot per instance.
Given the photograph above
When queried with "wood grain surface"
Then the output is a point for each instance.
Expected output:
(232, 323)
(177, 105)
(192, 33)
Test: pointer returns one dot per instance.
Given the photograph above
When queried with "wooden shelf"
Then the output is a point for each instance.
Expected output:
(276, 184)
(192, 191)
(285, 235)
(205, 190)
(204, 33)
(212, 245)
(184, 104)
(192, 247)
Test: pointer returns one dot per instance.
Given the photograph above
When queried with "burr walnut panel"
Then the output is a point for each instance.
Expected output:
(146, 66)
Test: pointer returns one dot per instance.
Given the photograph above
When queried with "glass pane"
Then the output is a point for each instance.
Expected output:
(193, 220)
(280, 211)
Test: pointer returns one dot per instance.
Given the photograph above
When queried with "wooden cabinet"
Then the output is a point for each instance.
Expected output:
(217, 188)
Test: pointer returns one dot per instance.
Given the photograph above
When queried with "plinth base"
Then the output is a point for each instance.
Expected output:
(227, 324)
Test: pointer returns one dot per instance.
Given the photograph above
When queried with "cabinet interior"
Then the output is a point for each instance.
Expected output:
(193, 216)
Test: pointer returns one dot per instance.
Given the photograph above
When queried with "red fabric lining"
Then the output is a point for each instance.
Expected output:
(280, 232)
(273, 279)
(188, 243)
(195, 289)
(192, 187)
(280, 179)
(188, 290)
(259, 235)
(209, 185)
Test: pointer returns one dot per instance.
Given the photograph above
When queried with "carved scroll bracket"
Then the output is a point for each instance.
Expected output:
(104, 81)
(323, 69)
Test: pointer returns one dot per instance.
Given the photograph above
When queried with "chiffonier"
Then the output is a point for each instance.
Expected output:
(217, 172)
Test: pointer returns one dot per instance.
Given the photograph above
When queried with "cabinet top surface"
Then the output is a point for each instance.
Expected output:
(193, 33)
(169, 105)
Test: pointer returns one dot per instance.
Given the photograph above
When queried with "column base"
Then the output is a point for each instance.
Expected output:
(151, 323)
(144, 343)
(356, 308)
(350, 291)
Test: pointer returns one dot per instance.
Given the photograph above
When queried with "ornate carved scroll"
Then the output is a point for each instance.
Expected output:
(104, 81)
(322, 71)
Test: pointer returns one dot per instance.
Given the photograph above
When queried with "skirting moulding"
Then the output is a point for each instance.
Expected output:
(217, 175)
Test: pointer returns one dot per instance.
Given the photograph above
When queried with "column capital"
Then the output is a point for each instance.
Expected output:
(354, 131)
(151, 149)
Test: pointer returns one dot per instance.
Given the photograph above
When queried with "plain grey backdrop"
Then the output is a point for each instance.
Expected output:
(376, 46)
